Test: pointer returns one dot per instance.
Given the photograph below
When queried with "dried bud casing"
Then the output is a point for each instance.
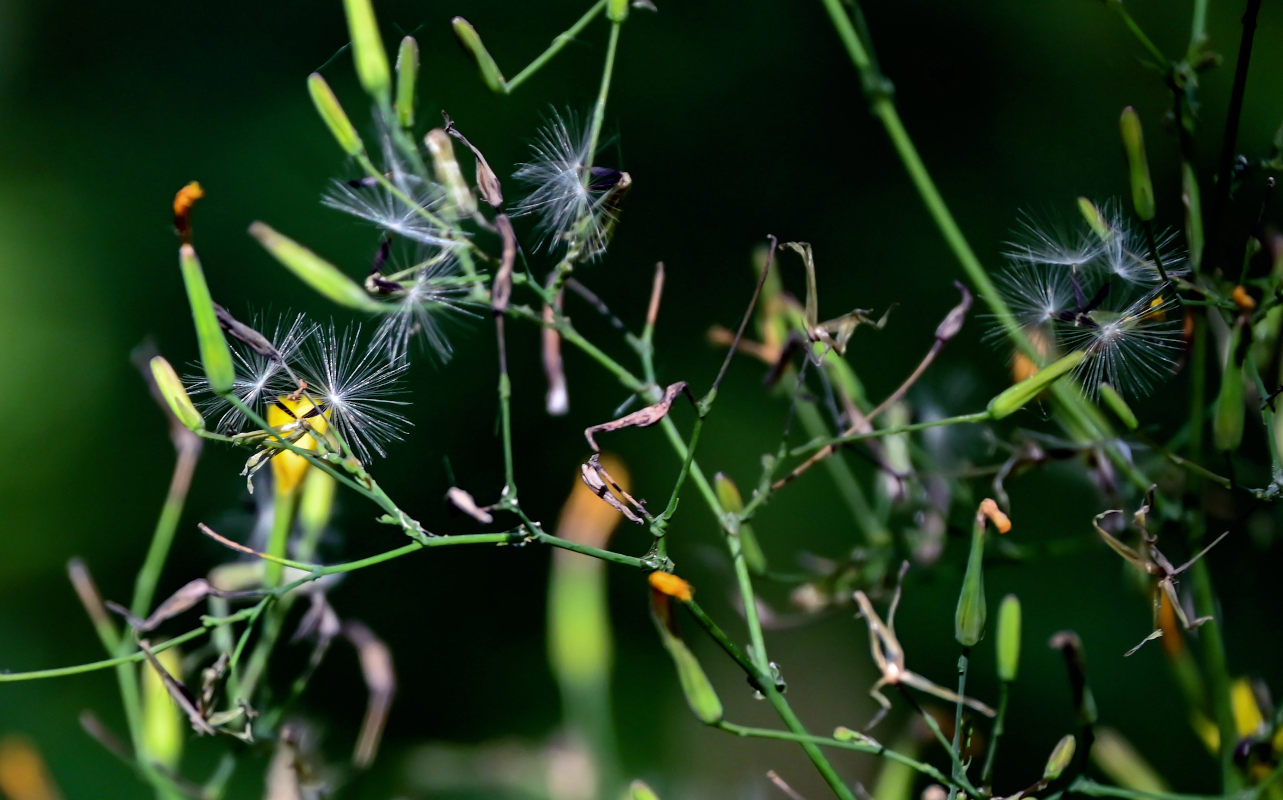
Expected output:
(333, 115)
(313, 270)
(407, 75)
(367, 50)
(171, 388)
(1061, 755)
(1119, 406)
(215, 358)
(1137, 164)
(471, 42)
(1017, 397)
(1008, 638)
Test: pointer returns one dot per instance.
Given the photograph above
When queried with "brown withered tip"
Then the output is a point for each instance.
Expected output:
(183, 202)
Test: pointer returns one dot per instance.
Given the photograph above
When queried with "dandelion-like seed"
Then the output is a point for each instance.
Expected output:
(377, 204)
(1102, 294)
(418, 296)
(574, 203)
(356, 388)
(258, 375)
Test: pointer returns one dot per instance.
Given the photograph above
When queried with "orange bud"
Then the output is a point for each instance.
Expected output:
(1001, 522)
(1242, 299)
(183, 202)
(671, 585)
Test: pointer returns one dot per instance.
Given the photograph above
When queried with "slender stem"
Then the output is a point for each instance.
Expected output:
(959, 771)
(962, 419)
(1144, 40)
(999, 726)
(1232, 116)
(599, 108)
(824, 741)
(558, 43)
(283, 506)
(1197, 28)
(107, 663)
(812, 750)
(163, 535)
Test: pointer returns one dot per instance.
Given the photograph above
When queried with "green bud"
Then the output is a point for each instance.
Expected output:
(1008, 638)
(335, 118)
(728, 496)
(171, 388)
(617, 10)
(1120, 761)
(214, 355)
(163, 729)
(1191, 199)
(367, 49)
(1119, 406)
(407, 73)
(1227, 424)
(316, 504)
(472, 43)
(313, 270)
(448, 173)
(1060, 757)
(700, 696)
(844, 734)
(1018, 396)
(1137, 164)
(969, 619)
(1095, 220)
(638, 790)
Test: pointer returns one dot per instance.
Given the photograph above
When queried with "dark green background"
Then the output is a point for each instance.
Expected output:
(735, 120)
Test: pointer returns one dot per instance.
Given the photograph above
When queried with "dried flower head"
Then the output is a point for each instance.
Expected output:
(419, 294)
(575, 202)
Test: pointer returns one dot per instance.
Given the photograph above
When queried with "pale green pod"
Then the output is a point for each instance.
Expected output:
(1008, 638)
(175, 394)
(471, 41)
(163, 730)
(215, 358)
(1119, 406)
(1018, 396)
(367, 50)
(333, 115)
(728, 496)
(313, 270)
(699, 692)
(446, 167)
(1095, 220)
(617, 10)
(1191, 198)
(1061, 755)
(1137, 164)
(407, 75)
(969, 618)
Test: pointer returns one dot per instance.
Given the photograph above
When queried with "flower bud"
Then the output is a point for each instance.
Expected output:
(313, 270)
(1137, 164)
(1095, 220)
(289, 468)
(700, 696)
(162, 723)
(1061, 755)
(367, 49)
(1227, 424)
(1191, 199)
(638, 790)
(333, 115)
(1017, 397)
(446, 167)
(617, 10)
(1008, 638)
(1119, 406)
(407, 73)
(472, 43)
(728, 496)
(214, 355)
(171, 388)
(969, 619)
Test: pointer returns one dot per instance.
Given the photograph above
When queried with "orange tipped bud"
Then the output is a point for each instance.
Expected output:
(671, 585)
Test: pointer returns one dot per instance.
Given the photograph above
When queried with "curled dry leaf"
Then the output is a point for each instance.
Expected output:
(607, 488)
(641, 418)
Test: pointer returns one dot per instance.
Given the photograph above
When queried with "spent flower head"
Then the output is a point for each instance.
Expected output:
(575, 202)
(418, 294)
(1099, 291)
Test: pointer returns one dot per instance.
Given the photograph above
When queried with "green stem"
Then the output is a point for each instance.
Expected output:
(562, 39)
(107, 663)
(599, 108)
(820, 444)
(999, 726)
(166, 525)
(959, 771)
(1144, 40)
(283, 506)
